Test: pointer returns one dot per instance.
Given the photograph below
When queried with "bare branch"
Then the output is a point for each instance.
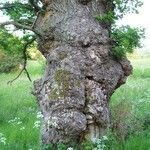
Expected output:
(16, 24)
(12, 5)
(20, 26)
(45, 2)
(35, 5)
(25, 61)
(33, 24)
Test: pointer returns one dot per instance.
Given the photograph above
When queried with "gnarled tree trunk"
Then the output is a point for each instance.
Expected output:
(81, 75)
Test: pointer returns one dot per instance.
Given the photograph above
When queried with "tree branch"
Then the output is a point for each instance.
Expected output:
(20, 26)
(16, 24)
(35, 5)
(45, 2)
(12, 5)
(25, 61)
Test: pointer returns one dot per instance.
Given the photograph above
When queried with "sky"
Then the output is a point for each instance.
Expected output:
(140, 20)
(135, 20)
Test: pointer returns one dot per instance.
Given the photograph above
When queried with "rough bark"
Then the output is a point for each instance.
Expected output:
(81, 75)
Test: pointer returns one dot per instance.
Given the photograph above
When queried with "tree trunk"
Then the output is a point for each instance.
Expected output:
(81, 75)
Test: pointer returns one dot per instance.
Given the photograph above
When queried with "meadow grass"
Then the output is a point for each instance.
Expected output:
(135, 95)
(18, 109)
(16, 101)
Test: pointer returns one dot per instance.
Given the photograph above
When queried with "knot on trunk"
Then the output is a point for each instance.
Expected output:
(84, 2)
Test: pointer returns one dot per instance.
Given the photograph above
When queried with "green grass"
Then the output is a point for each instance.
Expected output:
(137, 88)
(17, 101)
(136, 95)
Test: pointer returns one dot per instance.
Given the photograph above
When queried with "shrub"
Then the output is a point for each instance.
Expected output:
(9, 63)
(126, 40)
(10, 51)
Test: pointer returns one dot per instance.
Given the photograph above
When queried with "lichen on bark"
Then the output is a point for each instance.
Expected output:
(62, 78)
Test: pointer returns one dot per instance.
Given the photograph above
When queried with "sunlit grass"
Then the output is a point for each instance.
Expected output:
(16, 100)
(136, 92)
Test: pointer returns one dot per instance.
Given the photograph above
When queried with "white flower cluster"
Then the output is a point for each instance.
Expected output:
(39, 115)
(22, 128)
(17, 121)
(37, 123)
(100, 143)
(69, 148)
(2, 139)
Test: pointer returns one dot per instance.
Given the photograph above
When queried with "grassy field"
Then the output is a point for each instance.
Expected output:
(130, 104)
(18, 112)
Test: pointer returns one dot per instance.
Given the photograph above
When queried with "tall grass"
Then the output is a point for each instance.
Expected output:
(18, 111)
(133, 114)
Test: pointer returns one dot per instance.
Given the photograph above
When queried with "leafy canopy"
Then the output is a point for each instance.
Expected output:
(23, 13)
(125, 39)
(10, 51)
(9, 43)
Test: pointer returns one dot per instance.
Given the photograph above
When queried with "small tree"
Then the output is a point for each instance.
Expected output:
(10, 51)
(86, 61)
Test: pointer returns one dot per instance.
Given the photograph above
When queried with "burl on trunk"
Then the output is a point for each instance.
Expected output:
(81, 75)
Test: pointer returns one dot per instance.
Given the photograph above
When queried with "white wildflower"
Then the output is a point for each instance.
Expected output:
(39, 115)
(69, 148)
(37, 124)
(2, 139)
(105, 137)
(100, 143)
(15, 121)
(20, 122)
(22, 128)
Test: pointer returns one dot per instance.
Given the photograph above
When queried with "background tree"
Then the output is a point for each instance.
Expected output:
(86, 61)
(10, 51)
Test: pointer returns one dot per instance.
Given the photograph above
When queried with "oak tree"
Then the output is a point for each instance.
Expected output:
(86, 61)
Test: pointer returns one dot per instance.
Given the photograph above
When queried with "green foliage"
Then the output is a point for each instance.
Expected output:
(10, 51)
(9, 63)
(122, 7)
(61, 146)
(87, 145)
(20, 11)
(126, 40)
(106, 18)
(118, 9)
(24, 13)
(9, 44)
(47, 147)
